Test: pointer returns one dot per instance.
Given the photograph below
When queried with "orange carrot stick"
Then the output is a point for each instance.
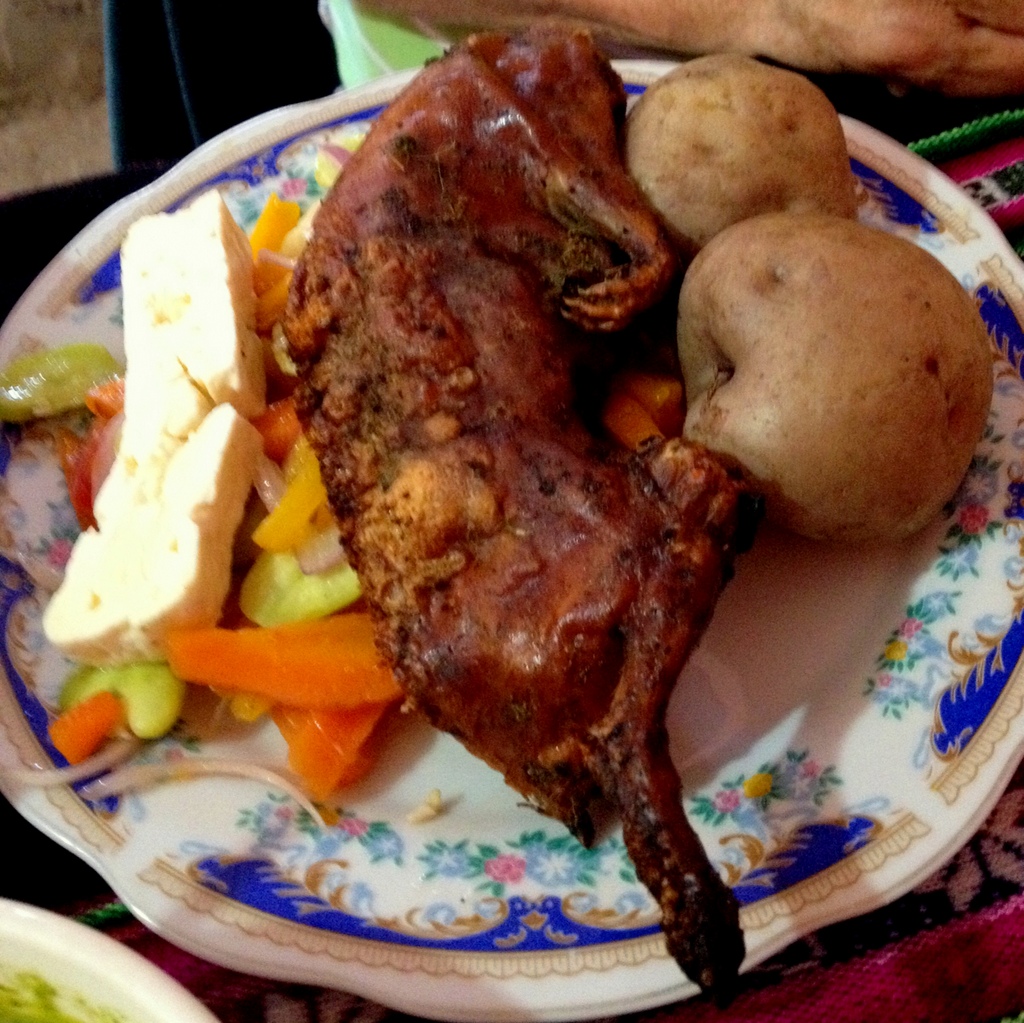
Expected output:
(628, 421)
(330, 662)
(327, 748)
(81, 730)
(270, 304)
(660, 394)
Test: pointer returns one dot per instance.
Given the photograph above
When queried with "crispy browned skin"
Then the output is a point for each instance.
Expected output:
(536, 589)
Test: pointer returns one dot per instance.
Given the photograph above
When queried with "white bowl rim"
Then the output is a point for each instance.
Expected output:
(93, 951)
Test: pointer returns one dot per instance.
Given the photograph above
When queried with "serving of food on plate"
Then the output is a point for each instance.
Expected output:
(477, 448)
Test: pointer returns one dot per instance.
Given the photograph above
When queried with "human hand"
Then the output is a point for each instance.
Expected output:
(959, 47)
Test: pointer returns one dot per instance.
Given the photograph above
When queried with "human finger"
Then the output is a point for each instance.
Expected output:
(979, 61)
(1001, 15)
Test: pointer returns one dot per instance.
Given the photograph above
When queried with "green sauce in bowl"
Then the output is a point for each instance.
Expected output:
(54, 969)
(29, 998)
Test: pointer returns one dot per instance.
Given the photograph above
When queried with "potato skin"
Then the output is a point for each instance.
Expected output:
(725, 137)
(845, 369)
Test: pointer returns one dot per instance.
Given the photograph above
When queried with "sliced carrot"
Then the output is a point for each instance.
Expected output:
(81, 730)
(265, 274)
(660, 394)
(106, 400)
(279, 427)
(330, 662)
(628, 421)
(270, 304)
(327, 748)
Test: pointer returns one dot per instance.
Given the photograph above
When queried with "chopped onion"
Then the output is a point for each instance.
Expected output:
(339, 154)
(431, 807)
(322, 551)
(137, 776)
(269, 481)
(111, 755)
(270, 256)
(279, 349)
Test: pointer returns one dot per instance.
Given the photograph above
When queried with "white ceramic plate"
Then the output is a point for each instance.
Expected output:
(50, 962)
(843, 729)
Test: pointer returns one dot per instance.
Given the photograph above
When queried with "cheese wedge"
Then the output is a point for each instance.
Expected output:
(168, 511)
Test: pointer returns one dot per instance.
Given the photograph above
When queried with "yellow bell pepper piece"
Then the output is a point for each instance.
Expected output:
(326, 169)
(295, 240)
(299, 456)
(279, 216)
(292, 521)
(249, 707)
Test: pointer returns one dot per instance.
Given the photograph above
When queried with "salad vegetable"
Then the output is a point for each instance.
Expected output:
(278, 217)
(271, 271)
(628, 421)
(85, 460)
(106, 400)
(152, 695)
(82, 729)
(292, 522)
(292, 656)
(661, 395)
(276, 591)
(328, 746)
(279, 427)
(52, 381)
(330, 662)
(270, 304)
(643, 405)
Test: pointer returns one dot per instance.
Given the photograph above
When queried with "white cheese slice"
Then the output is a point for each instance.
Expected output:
(162, 563)
(186, 264)
(168, 510)
(189, 331)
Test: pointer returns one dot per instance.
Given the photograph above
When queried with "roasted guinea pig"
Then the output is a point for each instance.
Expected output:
(536, 589)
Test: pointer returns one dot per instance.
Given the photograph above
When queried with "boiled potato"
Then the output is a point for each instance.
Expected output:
(725, 137)
(843, 368)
